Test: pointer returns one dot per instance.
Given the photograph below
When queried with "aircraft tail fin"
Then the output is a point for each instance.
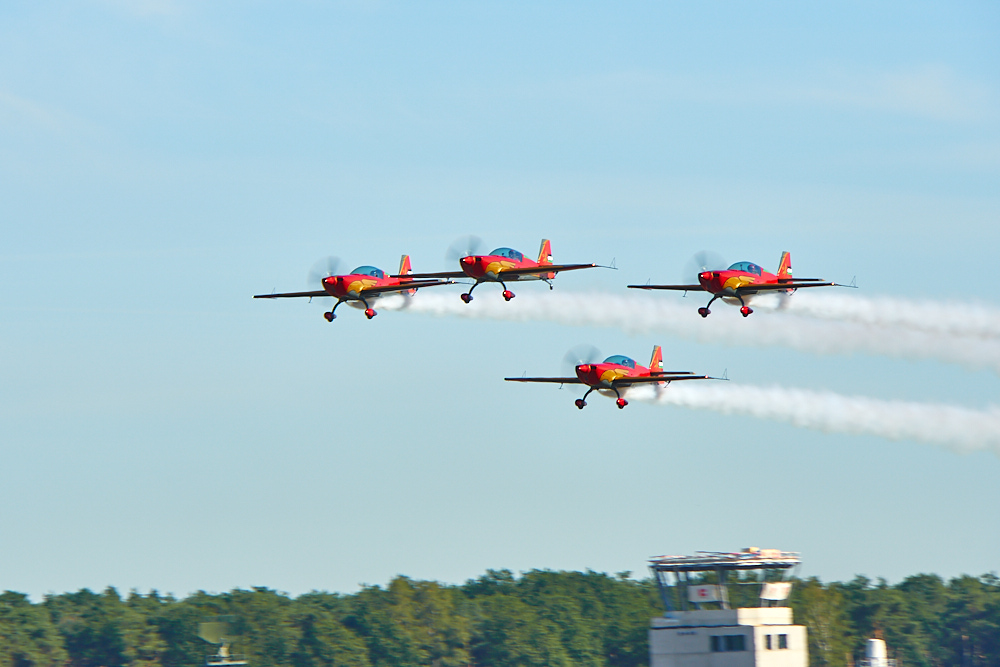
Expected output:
(545, 252)
(656, 363)
(404, 270)
(785, 268)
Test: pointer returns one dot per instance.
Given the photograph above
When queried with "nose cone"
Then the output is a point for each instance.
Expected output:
(584, 372)
(471, 265)
(706, 278)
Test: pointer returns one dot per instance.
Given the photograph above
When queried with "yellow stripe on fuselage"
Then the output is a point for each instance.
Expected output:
(613, 374)
(738, 281)
(495, 268)
(356, 286)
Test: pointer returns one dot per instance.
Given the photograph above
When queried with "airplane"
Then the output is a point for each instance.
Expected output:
(743, 280)
(363, 285)
(505, 265)
(615, 373)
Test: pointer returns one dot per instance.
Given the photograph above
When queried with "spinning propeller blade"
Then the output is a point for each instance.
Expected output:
(580, 354)
(323, 268)
(703, 260)
(463, 247)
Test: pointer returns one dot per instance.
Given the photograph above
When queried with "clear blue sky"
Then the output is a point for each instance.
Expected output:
(161, 161)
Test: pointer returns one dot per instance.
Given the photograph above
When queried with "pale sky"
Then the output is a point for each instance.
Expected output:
(162, 161)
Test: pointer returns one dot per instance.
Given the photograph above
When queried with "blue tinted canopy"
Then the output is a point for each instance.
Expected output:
(369, 271)
(749, 267)
(621, 360)
(508, 252)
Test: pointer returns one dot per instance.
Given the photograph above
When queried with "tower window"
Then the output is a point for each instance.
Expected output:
(725, 643)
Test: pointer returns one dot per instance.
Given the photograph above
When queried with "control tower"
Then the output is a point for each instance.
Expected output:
(700, 628)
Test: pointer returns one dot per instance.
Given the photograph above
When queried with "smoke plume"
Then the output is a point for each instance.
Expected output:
(959, 334)
(951, 319)
(957, 428)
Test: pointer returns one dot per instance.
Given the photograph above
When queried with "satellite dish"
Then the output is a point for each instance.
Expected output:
(214, 632)
(219, 631)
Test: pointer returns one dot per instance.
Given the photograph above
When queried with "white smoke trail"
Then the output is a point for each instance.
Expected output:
(957, 428)
(891, 333)
(953, 319)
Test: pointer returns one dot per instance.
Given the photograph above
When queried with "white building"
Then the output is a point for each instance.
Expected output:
(761, 636)
(712, 634)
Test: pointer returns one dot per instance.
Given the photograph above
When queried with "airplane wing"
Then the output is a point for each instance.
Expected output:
(402, 287)
(766, 287)
(627, 382)
(545, 268)
(679, 288)
(290, 294)
(439, 274)
(550, 380)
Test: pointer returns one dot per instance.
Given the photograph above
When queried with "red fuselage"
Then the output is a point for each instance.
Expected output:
(350, 286)
(726, 282)
(601, 375)
(490, 267)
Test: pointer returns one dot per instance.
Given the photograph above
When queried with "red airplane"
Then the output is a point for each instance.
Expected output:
(505, 265)
(743, 280)
(363, 285)
(618, 372)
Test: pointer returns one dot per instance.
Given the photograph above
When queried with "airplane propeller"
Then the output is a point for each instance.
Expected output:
(463, 247)
(703, 260)
(323, 268)
(580, 354)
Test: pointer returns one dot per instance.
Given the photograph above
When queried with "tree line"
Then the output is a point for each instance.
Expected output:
(537, 618)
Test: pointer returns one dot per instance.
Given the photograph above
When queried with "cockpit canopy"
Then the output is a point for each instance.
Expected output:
(368, 271)
(749, 267)
(621, 360)
(508, 252)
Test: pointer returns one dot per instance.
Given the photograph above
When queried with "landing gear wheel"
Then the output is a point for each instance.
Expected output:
(704, 312)
(370, 313)
(580, 403)
(329, 316)
(746, 310)
(467, 297)
(621, 403)
(508, 295)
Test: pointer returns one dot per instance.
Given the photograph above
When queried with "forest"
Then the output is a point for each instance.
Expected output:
(500, 619)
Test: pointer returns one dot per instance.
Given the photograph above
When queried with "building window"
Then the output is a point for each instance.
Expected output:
(767, 642)
(735, 643)
(782, 641)
(725, 643)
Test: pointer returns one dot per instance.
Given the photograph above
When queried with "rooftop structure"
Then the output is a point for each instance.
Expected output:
(706, 576)
(713, 634)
